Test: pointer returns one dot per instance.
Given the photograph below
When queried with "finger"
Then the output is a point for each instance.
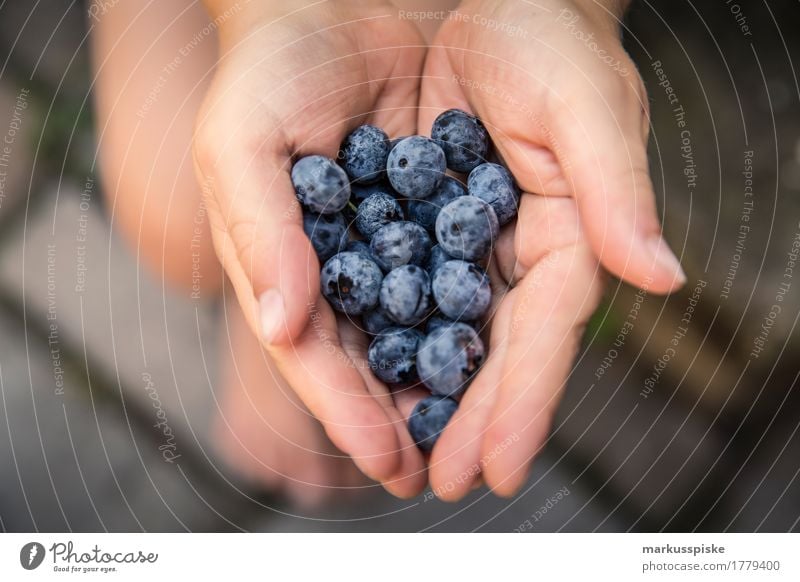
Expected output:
(603, 155)
(330, 385)
(551, 307)
(258, 236)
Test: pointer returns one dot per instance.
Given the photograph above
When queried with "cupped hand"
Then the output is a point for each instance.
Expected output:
(293, 80)
(567, 112)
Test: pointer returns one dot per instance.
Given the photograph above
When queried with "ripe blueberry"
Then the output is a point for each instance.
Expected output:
(467, 228)
(351, 283)
(320, 185)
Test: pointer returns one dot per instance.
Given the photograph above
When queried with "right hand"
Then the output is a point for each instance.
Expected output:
(289, 84)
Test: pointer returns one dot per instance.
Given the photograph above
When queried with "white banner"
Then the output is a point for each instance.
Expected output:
(400, 557)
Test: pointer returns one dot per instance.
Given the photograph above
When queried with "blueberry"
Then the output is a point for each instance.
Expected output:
(320, 185)
(416, 166)
(363, 154)
(466, 228)
(359, 246)
(492, 183)
(392, 355)
(429, 418)
(328, 233)
(462, 290)
(400, 243)
(351, 283)
(448, 358)
(360, 192)
(375, 212)
(437, 259)
(406, 294)
(463, 138)
(436, 321)
(376, 321)
(424, 212)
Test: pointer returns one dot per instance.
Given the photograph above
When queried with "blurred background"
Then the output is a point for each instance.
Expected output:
(700, 437)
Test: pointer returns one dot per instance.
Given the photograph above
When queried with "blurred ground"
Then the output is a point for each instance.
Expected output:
(707, 440)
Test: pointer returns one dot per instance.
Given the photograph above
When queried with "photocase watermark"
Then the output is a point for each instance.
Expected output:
(739, 17)
(679, 115)
(547, 506)
(487, 22)
(744, 226)
(672, 349)
(195, 245)
(82, 234)
(168, 447)
(783, 288)
(10, 138)
(569, 20)
(53, 339)
(177, 60)
(624, 330)
(100, 8)
(474, 469)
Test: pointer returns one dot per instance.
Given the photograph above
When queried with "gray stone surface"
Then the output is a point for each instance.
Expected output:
(147, 341)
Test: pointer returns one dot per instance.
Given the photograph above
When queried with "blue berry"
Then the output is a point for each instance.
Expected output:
(416, 166)
(359, 246)
(492, 183)
(392, 355)
(400, 243)
(437, 259)
(328, 233)
(320, 185)
(406, 294)
(429, 418)
(467, 228)
(363, 154)
(424, 212)
(360, 192)
(436, 321)
(376, 321)
(375, 212)
(463, 138)
(351, 283)
(462, 290)
(448, 358)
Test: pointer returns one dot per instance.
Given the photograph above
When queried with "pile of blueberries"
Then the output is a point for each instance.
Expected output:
(422, 302)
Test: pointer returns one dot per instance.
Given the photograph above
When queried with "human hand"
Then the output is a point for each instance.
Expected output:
(294, 80)
(568, 114)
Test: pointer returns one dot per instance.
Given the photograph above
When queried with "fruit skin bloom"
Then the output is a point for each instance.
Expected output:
(462, 137)
(364, 154)
(462, 290)
(351, 283)
(320, 185)
(429, 418)
(448, 359)
(416, 166)
(467, 228)
(392, 355)
(406, 294)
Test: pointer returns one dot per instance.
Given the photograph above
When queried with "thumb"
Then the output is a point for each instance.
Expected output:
(259, 239)
(602, 150)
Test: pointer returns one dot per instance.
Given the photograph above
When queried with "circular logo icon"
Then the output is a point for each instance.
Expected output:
(31, 555)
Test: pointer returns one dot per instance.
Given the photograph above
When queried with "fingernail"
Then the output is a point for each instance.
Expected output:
(665, 258)
(272, 314)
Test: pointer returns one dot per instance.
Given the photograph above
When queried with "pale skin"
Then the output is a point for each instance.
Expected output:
(292, 78)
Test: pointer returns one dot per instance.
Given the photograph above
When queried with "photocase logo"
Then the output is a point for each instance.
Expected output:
(31, 555)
